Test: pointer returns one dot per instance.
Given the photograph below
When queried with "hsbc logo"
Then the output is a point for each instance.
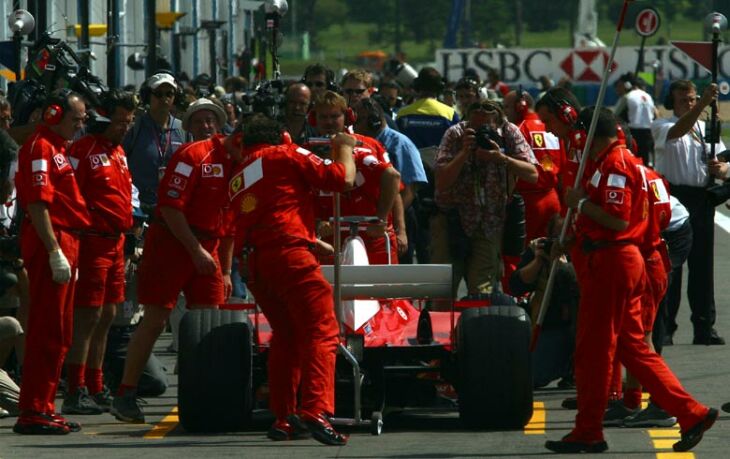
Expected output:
(586, 65)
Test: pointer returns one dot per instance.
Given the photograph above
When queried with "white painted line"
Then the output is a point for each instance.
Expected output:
(723, 221)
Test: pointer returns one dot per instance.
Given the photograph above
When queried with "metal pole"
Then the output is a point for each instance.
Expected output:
(712, 129)
(112, 53)
(151, 29)
(640, 60)
(337, 265)
(18, 41)
(578, 178)
(83, 6)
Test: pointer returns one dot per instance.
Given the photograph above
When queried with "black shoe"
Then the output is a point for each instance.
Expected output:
(713, 339)
(103, 399)
(73, 426)
(568, 446)
(616, 413)
(692, 436)
(726, 407)
(570, 403)
(126, 408)
(651, 416)
(80, 403)
(668, 340)
(320, 428)
(283, 430)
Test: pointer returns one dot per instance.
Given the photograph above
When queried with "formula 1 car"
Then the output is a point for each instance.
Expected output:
(474, 356)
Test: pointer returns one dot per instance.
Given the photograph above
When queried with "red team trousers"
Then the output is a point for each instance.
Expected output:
(297, 301)
(610, 324)
(50, 320)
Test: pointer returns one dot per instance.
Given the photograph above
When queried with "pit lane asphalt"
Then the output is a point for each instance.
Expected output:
(703, 370)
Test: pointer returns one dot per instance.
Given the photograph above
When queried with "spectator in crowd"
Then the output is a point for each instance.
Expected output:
(203, 119)
(682, 156)
(472, 179)
(467, 93)
(357, 85)
(233, 113)
(155, 136)
(10, 333)
(104, 181)
(319, 79)
(544, 83)
(49, 248)
(406, 160)
(553, 355)
(636, 107)
(389, 98)
(298, 100)
(6, 114)
(424, 122)
(611, 218)
(495, 82)
(235, 84)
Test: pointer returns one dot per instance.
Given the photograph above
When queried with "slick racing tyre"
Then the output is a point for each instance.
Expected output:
(494, 362)
(215, 367)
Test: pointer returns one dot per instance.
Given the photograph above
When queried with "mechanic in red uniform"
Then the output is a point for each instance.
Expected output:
(101, 171)
(377, 185)
(181, 252)
(55, 212)
(542, 199)
(653, 249)
(273, 194)
(612, 211)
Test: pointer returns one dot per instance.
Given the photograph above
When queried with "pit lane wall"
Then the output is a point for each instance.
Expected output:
(584, 67)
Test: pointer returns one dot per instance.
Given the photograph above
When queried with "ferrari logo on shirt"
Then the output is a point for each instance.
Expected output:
(100, 160)
(547, 163)
(538, 139)
(60, 161)
(614, 197)
(212, 170)
(248, 203)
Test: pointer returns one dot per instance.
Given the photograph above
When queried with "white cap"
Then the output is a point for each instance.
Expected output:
(204, 104)
(161, 78)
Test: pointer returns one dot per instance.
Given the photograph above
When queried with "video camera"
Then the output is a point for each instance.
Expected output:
(52, 64)
(268, 98)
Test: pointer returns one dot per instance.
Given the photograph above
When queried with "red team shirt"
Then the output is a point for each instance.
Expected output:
(273, 194)
(44, 174)
(196, 184)
(548, 153)
(616, 186)
(104, 179)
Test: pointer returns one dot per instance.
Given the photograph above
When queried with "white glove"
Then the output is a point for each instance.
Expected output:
(60, 267)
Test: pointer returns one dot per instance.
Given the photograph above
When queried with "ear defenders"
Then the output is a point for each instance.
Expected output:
(350, 117)
(56, 106)
(567, 114)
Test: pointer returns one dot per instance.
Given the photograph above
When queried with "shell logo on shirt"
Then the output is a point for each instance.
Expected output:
(248, 203)
(547, 163)
(100, 160)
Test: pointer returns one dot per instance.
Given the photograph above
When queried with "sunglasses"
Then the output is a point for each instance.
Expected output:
(316, 84)
(161, 94)
(351, 91)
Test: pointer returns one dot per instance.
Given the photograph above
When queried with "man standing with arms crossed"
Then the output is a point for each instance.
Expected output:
(55, 212)
(101, 171)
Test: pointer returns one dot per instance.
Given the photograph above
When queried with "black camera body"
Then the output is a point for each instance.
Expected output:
(484, 134)
(269, 99)
(546, 244)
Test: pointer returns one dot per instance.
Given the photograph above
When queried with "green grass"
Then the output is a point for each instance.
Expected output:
(340, 45)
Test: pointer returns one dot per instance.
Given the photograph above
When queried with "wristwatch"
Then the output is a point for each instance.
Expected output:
(580, 205)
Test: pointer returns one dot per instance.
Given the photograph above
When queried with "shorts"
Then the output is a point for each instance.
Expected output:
(101, 271)
(166, 269)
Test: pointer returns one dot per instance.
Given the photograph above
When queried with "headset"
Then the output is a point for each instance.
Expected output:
(350, 117)
(439, 88)
(56, 106)
(145, 91)
(329, 76)
(669, 98)
(567, 114)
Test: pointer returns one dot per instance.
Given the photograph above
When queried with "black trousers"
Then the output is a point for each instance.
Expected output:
(700, 262)
(645, 144)
(679, 243)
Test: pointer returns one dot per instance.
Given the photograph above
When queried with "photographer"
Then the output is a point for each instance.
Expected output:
(553, 355)
(473, 166)
(682, 156)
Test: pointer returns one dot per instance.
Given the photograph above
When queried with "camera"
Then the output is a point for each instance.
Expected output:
(484, 134)
(268, 99)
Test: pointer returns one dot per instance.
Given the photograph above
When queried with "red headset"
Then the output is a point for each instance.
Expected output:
(350, 117)
(521, 106)
(567, 114)
(53, 114)
(57, 104)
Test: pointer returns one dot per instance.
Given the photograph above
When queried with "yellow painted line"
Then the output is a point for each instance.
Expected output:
(664, 433)
(163, 427)
(675, 455)
(536, 426)
(664, 443)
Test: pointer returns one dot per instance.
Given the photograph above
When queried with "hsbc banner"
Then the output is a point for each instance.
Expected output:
(525, 66)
